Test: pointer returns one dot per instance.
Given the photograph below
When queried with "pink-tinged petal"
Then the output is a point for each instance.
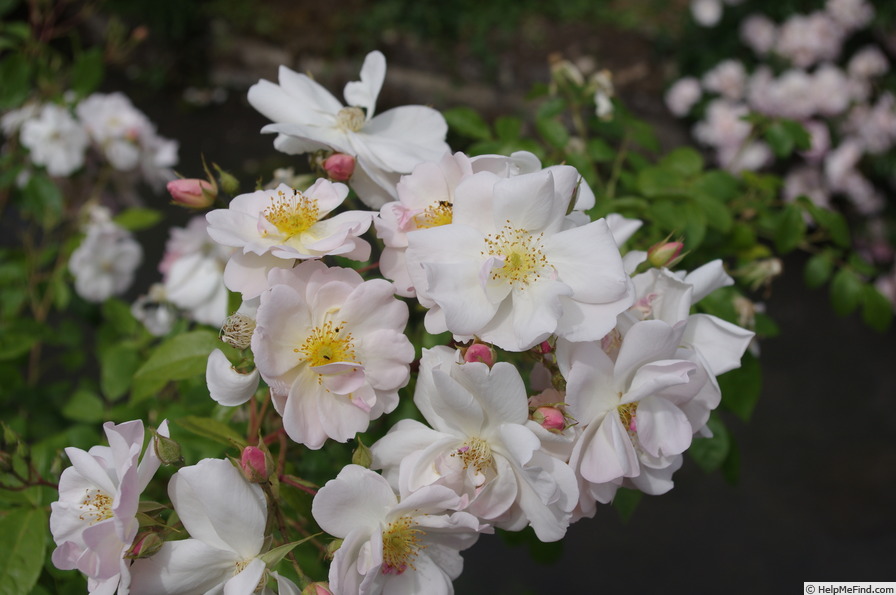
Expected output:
(341, 417)
(187, 567)
(355, 499)
(708, 278)
(226, 385)
(105, 547)
(371, 306)
(587, 259)
(387, 355)
(663, 429)
(647, 341)
(278, 330)
(217, 506)
(88, 467)
(609, 454)
(150, 462)
(721, 343)
(248, 273)
(363, 93)
(300, 413)
(247, 580)
(341, 378)
(426, 577)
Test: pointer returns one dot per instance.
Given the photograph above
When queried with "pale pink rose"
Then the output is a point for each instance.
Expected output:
(727, 78)
(759, 33)
(850, 14)
(683, 95)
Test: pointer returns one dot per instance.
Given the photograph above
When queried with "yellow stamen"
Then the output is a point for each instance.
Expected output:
(524, 260)
(350, 119)
(475, 453)
(292, 215)
(96, 507)
(437, 214)
(401, 542)
(327, 344)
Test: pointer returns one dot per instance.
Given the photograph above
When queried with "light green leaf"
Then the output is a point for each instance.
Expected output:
(467, 122)
(684, 161)
(273, 556)
(118, 363)
(553, 131)
(84, 405)
(182, 356)
(211, 429)
(136, 219)
(599, 151)
(508, 128)
(659, 181)
(22, 549)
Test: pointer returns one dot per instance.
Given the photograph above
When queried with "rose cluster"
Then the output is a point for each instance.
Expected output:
(501, 254)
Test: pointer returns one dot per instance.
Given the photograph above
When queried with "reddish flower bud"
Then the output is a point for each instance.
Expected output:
(192, 192)
(339, 167)
(145, 545)
(550, 418)
(317, 589)
(478, 352)
(254, 465)
(664, 254)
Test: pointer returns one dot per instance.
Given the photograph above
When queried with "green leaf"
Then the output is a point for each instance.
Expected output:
(710, 453)
(467, 122)
(846, 291)
(716, 212)
(84, 405)
(718, 184)
(211, 429)
(119, 317)
(118, 362)
(508, 128)
(877, 311)
(695, 225)
(553, 131)
(741, 387)
(818, 269)
(779, 139)
(136, 218)
(833, 222)
(22, 549)
(15, 72)
(790, 230)
(668, 214)
(551, 108)
(87, 71)
(798, 134)
(18, 336)
(625, 502)
(8, 5)
(43, 200)
(684, 161)
(659, 181)
(273, 556)
(182, 356)
(599, 151)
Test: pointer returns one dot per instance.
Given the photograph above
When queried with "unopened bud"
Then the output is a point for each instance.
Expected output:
(339, 167)
(332, 547)
(479, 352)
(544, 348)
(759, 272)
(317, 589)
(361, 455)
(229, 183)
(549, 418)
(145, 545)
(665, 254)
(255, 465)
(192, 192)
(167, 449)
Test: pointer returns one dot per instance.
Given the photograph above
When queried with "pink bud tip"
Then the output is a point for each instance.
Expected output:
(339, 167)
(253, 464)
(664, 254)
(550, 418)
(477, 352)
(192, 192)
(317, 589)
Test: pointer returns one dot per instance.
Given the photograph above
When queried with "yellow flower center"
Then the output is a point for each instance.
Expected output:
(475, 453)
(350, 119)
(439, 213)
(291, 215)
(327, 344)
(401, 542)
(628, 416)
(524, 260)
(96, 506)
(241, 566)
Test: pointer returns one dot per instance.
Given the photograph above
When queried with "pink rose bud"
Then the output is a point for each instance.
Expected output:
(477, 352)
(544, 348)
(254, 465)
(192, 193)
(317, 589)
(145, 545)
(339, 167)
(664, 254)
(549, 418)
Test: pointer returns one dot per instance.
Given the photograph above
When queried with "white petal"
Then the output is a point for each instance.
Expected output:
(225, 385)
(356, 498)
(363, 93)
(721, 343)
(187, 567)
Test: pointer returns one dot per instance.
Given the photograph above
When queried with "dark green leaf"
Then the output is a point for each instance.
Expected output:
(553, 131)
(22, 549)
(846, 291)
(659, 181)
(15, 72)
(716, 212)
(211, 429)
(118, 363)
(43, 200)
(685, 161)
(87, 71)
(136, 219)
(720, 185)
(818, 269)
(877, 311)
(765, 326)
(599, 151)
(779, 139)
(833, 222)
(117, 315)
(860, 265)
(551, 108)
(625, 502)
(84, 405)
(798, 134)
(508, 128)
(695, 225)
(18, 336)
(467, 122)
(710, 453)
(791, 229)
(669, 215)
(741, 387)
